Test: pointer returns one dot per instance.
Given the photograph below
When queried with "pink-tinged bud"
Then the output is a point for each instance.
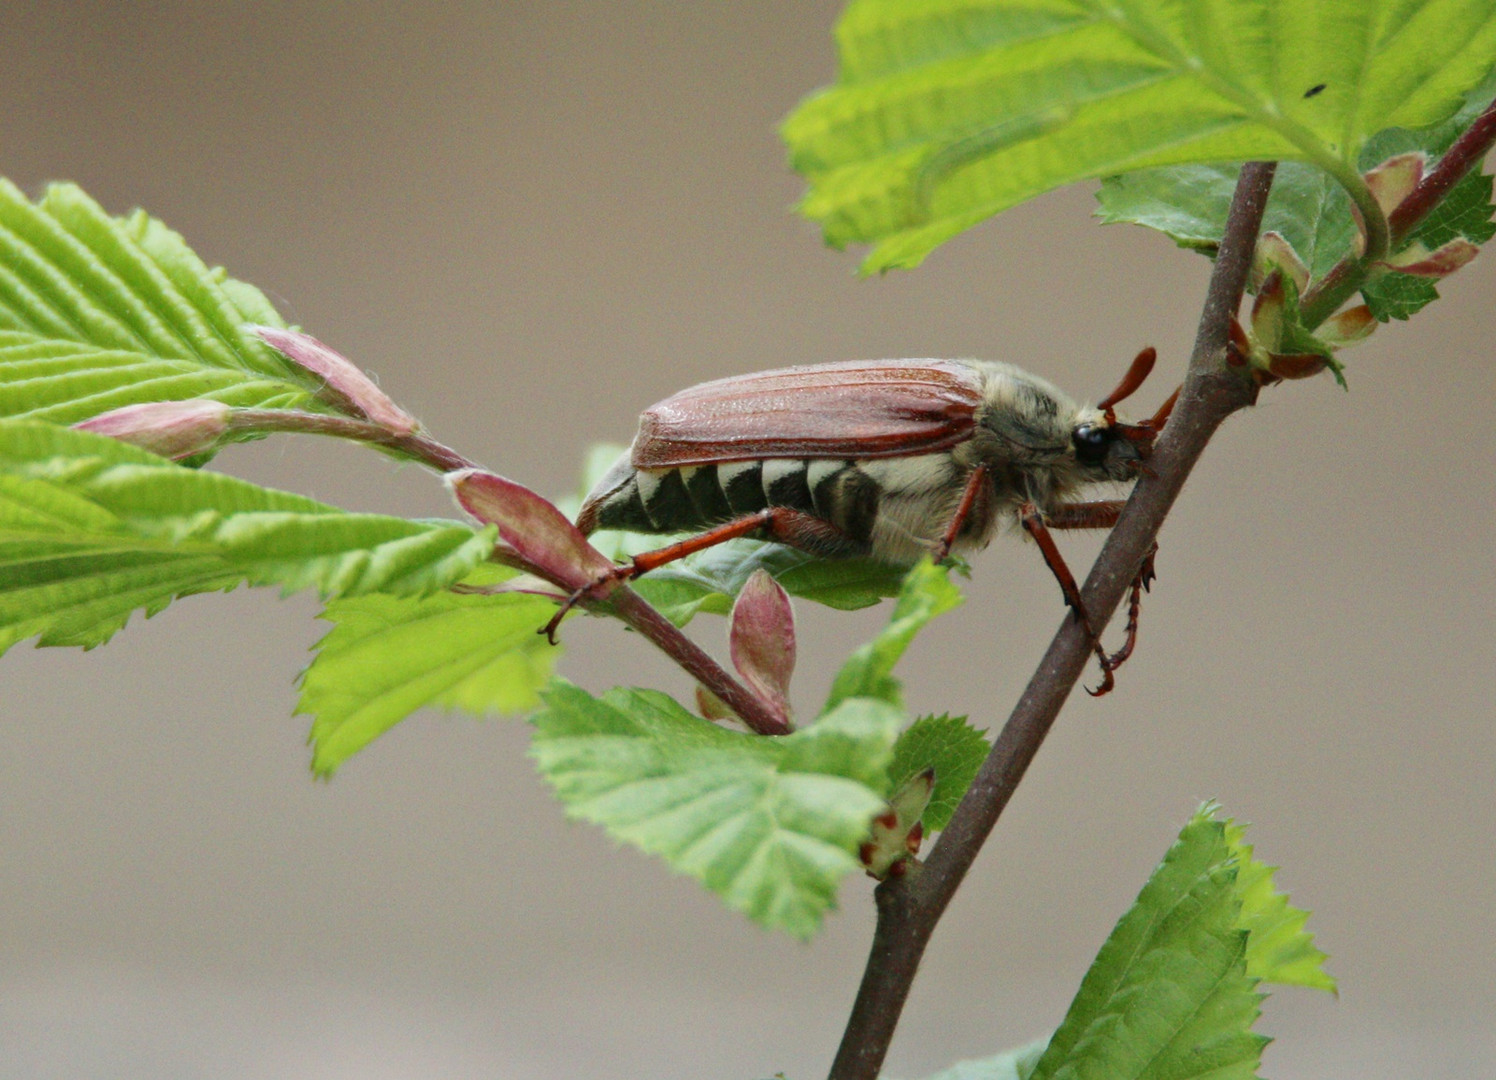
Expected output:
(710, 706)
(1394, 179)
(896, 833)
(1348, 327)
(1267, 313)
(1275, 252)
(345, 386)
(173, 429)
(532, 532)
(1296, 365)
(1421, 262)
(762, 640)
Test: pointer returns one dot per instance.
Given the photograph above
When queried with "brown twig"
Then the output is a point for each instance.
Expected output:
(910, 907)
(624, 603)
(416, 446)
(634, 610)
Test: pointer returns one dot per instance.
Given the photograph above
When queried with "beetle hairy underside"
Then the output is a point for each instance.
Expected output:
(891, 459)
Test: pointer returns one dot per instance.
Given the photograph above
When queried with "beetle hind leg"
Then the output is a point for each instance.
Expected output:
(779, 524)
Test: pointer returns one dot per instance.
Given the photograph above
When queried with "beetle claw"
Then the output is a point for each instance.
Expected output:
(618, 574)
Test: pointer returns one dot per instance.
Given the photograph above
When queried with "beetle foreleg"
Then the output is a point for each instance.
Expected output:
(1033, 522)
(1101, 514)
(1140, 585)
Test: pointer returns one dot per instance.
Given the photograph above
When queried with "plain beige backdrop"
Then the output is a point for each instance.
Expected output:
(530, 220)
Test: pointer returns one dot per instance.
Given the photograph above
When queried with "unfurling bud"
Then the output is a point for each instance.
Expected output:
(532, 532)
(173, 429)
(1394, 179)
(345, 386)
(1275, 252)
(1348, 327)
(762, 641)
(897, 832)
(1441, 262)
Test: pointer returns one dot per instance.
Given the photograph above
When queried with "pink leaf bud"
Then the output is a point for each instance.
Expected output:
(710, 706)
(1275, 252)
(1267, 313)
(345, 386)
(1394, 179)
(1296, 365)
(531, 530)
(173, 429)
(1421, 262)
(762, 640)
(1348, 327)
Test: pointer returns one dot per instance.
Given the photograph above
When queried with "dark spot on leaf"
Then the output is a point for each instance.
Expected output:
(1309, 93)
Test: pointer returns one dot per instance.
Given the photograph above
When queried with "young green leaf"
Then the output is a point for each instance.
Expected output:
(770, 825)
(868, 672)
(98, 312)
(1310, 210)
(387, 656)
(1168, 994)
(950, 746)
(1279, 949)
(92, 529)
(1173, 993)
(1013, 1065)
(710, 580)
(945, 114)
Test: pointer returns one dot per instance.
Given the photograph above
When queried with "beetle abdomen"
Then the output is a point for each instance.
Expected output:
(894, 508)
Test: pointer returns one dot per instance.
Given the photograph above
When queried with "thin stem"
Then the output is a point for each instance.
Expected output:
(634, 610)
(416, 446)
(1324, 298)
(626, 604)
(910, 907)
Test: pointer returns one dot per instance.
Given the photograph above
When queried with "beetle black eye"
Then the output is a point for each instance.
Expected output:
(1091, 441)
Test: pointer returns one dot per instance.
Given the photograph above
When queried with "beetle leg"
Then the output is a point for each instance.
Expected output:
(1101, 514)
(780, 524)
(1033, 522)
(973, 491)
(1140, 585)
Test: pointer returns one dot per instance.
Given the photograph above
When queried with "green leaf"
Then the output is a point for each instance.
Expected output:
(1169, 995)
(1279, 949)
(950, 746)
(770, 825)
(1012, 1065)
(92, 529)
(388, 656)
(1310, 210)
(710, 580)
(868, 672)
(1172, 993)
(949, 111)
(98, 312)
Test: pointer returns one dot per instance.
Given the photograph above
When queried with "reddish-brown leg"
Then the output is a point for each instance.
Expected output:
(778, 523)
(974, 485)
(1033, 521)
(1103, 514)
(1134, 609)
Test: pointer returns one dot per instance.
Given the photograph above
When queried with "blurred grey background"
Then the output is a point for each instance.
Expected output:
(530, 220)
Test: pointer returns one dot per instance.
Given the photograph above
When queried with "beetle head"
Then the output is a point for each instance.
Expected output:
(1109, 448)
